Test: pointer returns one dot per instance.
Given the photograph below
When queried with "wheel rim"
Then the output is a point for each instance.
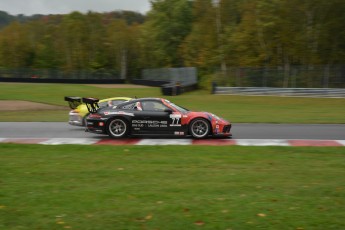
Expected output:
(200, 128)
(117, 128)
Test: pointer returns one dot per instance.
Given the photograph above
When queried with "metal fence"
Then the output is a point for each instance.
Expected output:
(291, 77)
(291, 92)
(59, 74)
(184, 76)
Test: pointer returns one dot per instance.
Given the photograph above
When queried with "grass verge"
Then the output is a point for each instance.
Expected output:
(171, 187)
(238, 109)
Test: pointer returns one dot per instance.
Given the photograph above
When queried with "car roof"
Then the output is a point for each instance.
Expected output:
(116, 98)
(147, 99)
(142, 99)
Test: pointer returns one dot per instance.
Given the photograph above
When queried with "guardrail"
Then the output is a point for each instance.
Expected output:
(63, 80)
(290, 92)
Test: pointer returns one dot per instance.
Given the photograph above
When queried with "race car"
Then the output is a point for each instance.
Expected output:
(153, 116)
(79, 110)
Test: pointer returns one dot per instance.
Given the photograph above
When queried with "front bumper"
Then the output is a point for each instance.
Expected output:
(222, 129)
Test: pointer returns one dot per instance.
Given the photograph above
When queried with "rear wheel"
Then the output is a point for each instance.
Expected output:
(199, 128)
(117, 128)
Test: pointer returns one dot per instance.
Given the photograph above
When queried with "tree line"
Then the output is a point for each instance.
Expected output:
(212, 35)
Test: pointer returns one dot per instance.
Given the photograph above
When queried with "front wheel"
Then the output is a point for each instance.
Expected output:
(199, 128)
(117, 128)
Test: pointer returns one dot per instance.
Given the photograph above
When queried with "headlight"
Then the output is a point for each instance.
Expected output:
(216, 117)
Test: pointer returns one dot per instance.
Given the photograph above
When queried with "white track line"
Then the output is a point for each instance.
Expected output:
(262, 142)
(241, 142)
(70, 141)
(164, 142)
(342, 142)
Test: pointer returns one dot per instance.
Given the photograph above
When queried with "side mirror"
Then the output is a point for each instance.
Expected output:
(168, 111)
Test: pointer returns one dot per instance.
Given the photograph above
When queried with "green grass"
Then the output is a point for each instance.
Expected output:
(171, 187)
(238, 109)
(54, 93)
(34, 116)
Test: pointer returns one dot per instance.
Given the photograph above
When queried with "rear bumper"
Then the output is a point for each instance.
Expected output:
(75, 123)
(93, 126)
(75, 119)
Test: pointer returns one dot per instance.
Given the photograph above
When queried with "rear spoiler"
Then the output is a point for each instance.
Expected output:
(91, 104)
(73, 102)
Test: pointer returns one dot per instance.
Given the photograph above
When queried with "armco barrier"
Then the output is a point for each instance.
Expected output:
(271, 91)
(67, 81)
(148, 82)
(168, 88)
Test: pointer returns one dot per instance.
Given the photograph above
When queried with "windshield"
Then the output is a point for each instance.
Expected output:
(179, 108)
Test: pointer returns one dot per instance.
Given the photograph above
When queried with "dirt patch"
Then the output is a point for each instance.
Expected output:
(26, 105)
(118, 86)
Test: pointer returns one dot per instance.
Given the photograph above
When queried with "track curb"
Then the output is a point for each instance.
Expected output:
(153, 142)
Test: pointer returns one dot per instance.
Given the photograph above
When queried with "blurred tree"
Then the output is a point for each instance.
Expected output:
(167, 25)
(212, 35)
(200, 46)
(129, 16)
(122, 47)
(95, 38)
(331, 32)
(73, 36)
(5, 19)
(15, 49)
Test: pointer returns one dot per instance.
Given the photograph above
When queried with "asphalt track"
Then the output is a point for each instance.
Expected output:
(240, 131)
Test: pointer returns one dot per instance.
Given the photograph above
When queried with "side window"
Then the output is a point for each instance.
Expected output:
(103, 104)
(153, 106)
(132, 106)
(110, 103)
(129, 106)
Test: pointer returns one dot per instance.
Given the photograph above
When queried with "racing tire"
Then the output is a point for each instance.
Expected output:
(199, 128)
(117, 128)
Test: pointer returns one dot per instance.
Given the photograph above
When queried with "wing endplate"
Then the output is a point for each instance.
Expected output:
(91, 104)
(73, 101)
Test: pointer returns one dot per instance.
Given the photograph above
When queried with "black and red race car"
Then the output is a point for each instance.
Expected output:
(153, 116)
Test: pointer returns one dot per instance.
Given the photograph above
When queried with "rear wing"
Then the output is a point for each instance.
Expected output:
(73, 102)
(91, 104)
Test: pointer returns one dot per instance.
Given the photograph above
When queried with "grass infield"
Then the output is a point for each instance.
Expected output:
(171, 187)
(237, 109)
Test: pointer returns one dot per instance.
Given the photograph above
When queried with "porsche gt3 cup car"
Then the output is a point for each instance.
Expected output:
(79, 110)
(153, 116)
